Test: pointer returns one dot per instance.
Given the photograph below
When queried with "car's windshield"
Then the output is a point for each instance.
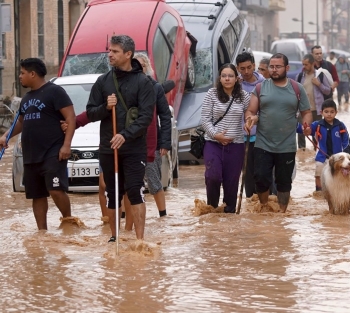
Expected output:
(288, 49)
(204, 68)
(79, 94)
(92, 63)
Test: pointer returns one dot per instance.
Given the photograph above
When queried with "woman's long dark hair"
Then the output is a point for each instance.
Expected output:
(237, 88)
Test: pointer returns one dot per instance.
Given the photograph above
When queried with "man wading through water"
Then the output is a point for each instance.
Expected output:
(46, 148)
(275, 143)
(135, 90)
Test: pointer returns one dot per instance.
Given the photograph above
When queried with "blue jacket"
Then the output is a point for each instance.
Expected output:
(340, 137)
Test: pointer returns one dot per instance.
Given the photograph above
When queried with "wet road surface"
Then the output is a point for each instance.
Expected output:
(267, 262)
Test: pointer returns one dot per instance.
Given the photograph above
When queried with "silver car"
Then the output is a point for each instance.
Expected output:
(83, 166)
(219, 33)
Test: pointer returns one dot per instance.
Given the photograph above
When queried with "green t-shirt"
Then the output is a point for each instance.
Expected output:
(276, 130)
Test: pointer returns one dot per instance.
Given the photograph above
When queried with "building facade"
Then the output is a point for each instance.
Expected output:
(39, 28)
(323, 22)
(263, 20)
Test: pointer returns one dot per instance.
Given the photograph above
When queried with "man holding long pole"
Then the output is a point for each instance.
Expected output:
(125, 86)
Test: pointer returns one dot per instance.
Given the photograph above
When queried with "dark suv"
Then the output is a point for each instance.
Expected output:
(218, 33)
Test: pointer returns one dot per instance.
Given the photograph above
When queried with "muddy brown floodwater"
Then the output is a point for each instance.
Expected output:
(267, 262)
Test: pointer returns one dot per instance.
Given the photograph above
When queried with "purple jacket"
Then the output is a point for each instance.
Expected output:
(319, 91)
(249, 87)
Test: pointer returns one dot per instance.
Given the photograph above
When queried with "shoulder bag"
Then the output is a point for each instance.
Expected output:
(198, 141)
(133, 112)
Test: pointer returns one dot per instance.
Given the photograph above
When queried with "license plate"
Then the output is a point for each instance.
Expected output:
(83, 171)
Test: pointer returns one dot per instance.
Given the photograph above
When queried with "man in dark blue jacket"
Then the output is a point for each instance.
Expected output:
(135, 90)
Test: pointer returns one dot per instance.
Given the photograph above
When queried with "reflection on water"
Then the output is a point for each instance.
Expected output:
(269, 262)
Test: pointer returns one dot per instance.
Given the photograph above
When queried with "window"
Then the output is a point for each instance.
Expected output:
(3, 38)
(229, 38)
(60, 30)
(223, 56)
(41, 51)
(161, 56)
(169, 25)
(3, 46)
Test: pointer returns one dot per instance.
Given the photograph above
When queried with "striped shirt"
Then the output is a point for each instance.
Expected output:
(212, 109)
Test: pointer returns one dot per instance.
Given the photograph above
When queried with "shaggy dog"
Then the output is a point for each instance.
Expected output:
(336, 183)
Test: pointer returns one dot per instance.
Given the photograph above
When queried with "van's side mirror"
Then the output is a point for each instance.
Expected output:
(168, 85)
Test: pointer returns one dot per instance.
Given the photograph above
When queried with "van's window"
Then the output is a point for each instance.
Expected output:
(237, 25)
(229, 38)
(223, 56)
(169, 25)
(203, 66)
(92, 63)
(79, 94)
(161, 56)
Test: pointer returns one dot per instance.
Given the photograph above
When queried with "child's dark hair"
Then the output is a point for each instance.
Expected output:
(34, 65)
(329, 103)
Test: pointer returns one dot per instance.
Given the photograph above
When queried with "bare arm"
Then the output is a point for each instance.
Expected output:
(16, 130)
(69, 116)
(307, 120)
(250, 114)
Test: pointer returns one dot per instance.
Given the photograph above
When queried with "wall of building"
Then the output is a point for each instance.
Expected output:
(26, 30)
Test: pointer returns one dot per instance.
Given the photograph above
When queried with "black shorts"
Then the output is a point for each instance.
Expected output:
(131, 171)
(265, 161)
(39, 178)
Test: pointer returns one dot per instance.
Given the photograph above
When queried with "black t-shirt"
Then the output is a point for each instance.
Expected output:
(42, 136)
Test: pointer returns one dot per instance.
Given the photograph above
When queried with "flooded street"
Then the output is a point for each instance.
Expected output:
(267, 262)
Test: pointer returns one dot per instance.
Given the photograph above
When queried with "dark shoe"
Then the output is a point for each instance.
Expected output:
(229, 209)
(112, 239)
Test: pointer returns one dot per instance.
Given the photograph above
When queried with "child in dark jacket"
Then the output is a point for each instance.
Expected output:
(331, 135)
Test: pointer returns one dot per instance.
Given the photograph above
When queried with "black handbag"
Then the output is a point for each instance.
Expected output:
(198, 141)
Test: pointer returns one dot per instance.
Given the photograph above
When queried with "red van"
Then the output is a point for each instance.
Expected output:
(156, 28)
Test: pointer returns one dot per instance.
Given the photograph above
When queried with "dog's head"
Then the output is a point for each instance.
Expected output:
(340, 163)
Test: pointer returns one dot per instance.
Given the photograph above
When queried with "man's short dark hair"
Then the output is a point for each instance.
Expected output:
(125, 42)
(329, 103)
(265, 61)
(280, 56)
(34, 65)
(315, 47)
(244, 57)
(309, 57)
(332, 53)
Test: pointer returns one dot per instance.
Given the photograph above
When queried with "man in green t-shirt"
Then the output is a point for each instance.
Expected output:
(275, 144)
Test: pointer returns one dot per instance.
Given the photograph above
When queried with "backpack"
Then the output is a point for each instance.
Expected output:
(295, 88)
(328, 67)
(325, 97)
